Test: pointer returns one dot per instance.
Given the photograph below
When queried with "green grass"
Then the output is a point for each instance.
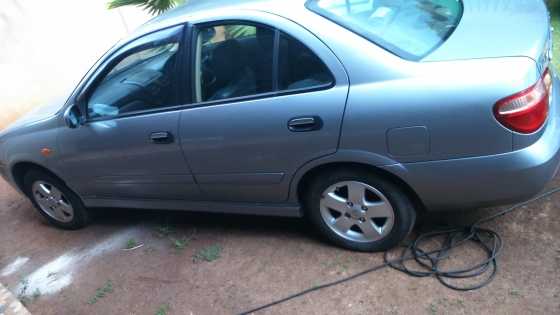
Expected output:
(432, 309)
(180, 243)
(131, 243)
(162, 309)
(515, 293)
(209, 253)
(101, 292)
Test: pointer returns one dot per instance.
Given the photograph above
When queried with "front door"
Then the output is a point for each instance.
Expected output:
(128, 148)
(265, 104)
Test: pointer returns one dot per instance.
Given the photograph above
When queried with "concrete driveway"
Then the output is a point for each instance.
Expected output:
(214, 264)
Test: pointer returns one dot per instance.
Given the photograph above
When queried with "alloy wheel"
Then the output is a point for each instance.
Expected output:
(52, 201)
(356, 211)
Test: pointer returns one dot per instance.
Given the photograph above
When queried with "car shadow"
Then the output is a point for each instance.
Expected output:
(249, 224)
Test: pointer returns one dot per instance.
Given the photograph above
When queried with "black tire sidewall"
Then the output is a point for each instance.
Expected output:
(405, 213)
(81, 217)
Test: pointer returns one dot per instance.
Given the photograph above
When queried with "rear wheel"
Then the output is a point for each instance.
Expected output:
(55, 201)
(360, 211)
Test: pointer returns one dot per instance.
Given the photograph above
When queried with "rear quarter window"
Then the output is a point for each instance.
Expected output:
(411, 29)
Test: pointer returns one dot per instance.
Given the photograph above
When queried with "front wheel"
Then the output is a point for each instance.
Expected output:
(56, 202)
(360, 211)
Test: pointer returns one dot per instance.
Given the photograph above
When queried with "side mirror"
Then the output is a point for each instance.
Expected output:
(72, 117)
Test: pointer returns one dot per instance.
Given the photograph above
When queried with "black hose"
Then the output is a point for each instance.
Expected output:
(429, 260)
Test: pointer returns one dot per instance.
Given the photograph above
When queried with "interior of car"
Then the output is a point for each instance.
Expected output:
(299, 67)
(141, 81)
(232, 61)
(243, 65)
(237, 65)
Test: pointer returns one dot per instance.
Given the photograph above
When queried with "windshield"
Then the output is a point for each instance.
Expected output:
(411, 29)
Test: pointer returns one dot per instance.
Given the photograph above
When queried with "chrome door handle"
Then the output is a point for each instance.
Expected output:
(161, 137)
(302, 124)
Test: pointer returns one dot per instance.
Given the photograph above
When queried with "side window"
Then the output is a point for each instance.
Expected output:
(299, 67)
(233, 61)
(142, 80)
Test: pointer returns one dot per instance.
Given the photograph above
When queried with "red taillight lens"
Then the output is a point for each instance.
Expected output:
(526, 111)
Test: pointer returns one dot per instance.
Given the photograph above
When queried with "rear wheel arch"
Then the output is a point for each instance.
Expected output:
(306, 180)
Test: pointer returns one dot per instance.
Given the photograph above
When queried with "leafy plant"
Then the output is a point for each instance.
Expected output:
(180, 243)
(101, 292)
(163, 309)
(433, 309)
(131, 243)
(152, 6)
(209, 253)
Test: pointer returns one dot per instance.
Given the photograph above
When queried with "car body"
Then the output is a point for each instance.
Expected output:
(427, 122)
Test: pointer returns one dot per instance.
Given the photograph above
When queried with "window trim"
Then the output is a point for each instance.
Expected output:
(260, 96)
(119, 55)
(185, 73)
(276, 61)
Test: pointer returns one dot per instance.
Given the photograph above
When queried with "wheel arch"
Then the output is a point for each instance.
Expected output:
(304, 182)
(19, 169)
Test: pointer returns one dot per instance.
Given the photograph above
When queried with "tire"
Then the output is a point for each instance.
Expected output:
(55, 201)
(376, 220)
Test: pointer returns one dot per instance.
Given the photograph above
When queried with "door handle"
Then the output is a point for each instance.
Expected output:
(301, 124)
(162, 137)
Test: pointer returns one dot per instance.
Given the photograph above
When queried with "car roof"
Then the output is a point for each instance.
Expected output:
(193, 7)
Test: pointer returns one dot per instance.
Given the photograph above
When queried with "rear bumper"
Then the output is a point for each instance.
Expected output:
(468, 183)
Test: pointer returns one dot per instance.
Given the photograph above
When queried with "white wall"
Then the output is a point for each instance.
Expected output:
(47, 45)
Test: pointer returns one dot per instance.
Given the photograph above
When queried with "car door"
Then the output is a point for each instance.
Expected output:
(266, 101)
(128, 147)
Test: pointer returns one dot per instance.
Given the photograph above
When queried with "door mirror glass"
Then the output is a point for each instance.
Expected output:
(72, 117)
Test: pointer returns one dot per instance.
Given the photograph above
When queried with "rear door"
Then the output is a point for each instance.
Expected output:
(268, 98)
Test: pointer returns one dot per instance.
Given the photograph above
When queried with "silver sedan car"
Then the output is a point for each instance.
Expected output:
(357, 114)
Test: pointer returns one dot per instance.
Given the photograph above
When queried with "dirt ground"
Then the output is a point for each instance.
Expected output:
(217, 264)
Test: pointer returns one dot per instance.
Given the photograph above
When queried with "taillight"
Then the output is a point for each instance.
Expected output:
(526, 111)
